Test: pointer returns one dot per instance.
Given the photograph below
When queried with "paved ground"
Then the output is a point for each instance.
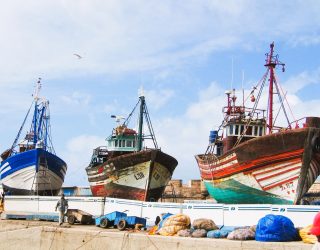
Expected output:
(22, 234)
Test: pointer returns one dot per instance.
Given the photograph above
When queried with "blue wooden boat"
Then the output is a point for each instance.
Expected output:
(30, 166)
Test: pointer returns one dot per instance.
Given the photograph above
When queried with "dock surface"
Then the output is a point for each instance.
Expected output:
(23, 234)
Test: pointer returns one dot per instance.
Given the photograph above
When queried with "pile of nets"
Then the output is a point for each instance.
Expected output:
(173, 224)
(246, 233)
(169, 224)
(272, 228)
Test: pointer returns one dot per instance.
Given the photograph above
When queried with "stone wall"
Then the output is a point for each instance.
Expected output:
(177, 191)
(32, 237)
(313, 194)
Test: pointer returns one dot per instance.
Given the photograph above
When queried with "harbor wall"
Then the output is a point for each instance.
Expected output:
(221, 214)
(54, 238)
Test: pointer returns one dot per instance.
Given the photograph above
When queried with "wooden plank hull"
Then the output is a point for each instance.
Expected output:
(34, 171)
(277, 168)
(138, 176)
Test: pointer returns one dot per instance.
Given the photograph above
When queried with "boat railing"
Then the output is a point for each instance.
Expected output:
(300, 123)
(209, 156)
(244, 111)
(101, 151)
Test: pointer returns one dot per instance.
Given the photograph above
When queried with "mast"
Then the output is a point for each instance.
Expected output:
(36, 98)
(143, 114)
(46, 129)
(271, 62)
(271, 65)
(142, 104)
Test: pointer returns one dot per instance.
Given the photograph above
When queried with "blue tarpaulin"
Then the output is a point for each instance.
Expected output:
(275, 228)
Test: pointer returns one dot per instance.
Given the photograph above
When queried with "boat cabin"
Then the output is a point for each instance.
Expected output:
(255, 129)
(240, 124)
(122, 139)
(239, 128)
(28, 144)
(122, 143)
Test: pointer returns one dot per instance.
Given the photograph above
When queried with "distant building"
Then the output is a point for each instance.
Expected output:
(176, 191)
(194, 190)
(76, 191)
(313, 193)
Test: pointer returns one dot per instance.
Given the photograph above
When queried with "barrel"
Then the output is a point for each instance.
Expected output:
(213, 135)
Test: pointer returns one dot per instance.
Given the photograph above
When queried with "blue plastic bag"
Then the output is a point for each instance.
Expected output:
(219, 233)
(275, 228)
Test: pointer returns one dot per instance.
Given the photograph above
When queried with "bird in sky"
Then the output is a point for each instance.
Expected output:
(77, 55)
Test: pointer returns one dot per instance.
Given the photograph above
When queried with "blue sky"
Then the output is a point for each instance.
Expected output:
(181, 52)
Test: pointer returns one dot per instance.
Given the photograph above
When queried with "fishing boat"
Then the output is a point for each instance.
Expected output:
(30, 166)
(126, 168)
(250, 159)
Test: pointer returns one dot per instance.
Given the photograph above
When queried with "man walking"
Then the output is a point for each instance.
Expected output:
(62, 205)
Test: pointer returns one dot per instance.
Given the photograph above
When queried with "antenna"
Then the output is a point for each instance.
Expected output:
(231, 72)
(141, 91)
(242, 88)
(37, 89)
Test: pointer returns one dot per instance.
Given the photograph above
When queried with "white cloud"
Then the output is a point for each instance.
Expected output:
(300, 81)
(305, 80)
(117, 36)
(109, 108)
(185, 136)
(77, 99)
(78, 155)
(305, 40)
(158, 98)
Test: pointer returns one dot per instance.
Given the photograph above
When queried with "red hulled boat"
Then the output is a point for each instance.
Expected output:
(251, 160)
(124, 169)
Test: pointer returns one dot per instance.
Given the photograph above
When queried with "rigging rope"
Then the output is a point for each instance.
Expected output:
(285, 98)
(153, 137)
(20, 130)
(281, 102)
(262, 82)
(130, 115)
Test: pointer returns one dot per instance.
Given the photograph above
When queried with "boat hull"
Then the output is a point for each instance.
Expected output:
(34, 171)
(138, 176)
(277, 169)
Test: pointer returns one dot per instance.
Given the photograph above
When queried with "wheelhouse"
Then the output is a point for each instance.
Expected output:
(122, 142)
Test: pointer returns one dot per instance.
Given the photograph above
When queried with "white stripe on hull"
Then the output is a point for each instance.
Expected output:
(213, 164)
(137, 177)
(4, 166)
(270, 179)
(134, 176)
(286, 188)
(27, 179)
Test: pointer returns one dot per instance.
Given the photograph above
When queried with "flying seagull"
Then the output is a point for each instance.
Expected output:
(77, 55)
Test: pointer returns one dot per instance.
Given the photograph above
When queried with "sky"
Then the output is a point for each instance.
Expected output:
(184, 53)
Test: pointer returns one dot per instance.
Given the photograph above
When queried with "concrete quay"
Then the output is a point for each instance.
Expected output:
(36, 235)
